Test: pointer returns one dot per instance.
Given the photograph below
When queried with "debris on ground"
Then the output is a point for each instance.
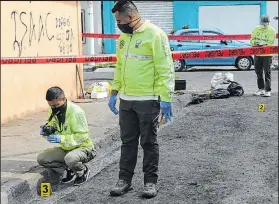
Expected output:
(222, 86)
(180, 85)
(98, 90)
(179, 92)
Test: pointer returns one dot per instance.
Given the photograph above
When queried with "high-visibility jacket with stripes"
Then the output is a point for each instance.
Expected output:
(144, 64)
(74, 132)
(263, 36)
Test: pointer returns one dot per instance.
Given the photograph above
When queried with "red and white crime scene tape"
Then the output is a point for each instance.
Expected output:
(249, 51)
(180, 37)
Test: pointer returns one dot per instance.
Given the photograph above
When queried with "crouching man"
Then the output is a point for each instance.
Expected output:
(67, 125)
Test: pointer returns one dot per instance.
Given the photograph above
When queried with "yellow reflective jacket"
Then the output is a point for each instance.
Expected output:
(144, 64)
(74, 132)
(263, 36)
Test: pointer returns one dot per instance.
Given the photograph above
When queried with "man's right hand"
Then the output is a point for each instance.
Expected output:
(112, 102)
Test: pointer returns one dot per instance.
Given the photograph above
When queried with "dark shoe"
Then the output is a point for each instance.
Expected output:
(70, 176)
(120, 188)
(83, 178)
(150, 190)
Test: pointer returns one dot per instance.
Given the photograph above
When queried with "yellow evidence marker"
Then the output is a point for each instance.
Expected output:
(261, 108)
(45, 189)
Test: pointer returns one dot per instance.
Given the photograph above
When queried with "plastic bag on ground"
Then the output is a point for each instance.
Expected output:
(235, 89)
(219, 94)
(221, 80)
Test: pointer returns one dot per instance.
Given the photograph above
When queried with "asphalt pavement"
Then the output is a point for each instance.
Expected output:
(221, 151)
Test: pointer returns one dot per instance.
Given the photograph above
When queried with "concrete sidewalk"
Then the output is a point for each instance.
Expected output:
(21, 143)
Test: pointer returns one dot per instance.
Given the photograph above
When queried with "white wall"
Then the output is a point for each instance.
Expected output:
(240, 19)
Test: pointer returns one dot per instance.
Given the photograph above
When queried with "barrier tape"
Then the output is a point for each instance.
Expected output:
(238, 52)
(58, 60)
(180, 37)
(249, 51)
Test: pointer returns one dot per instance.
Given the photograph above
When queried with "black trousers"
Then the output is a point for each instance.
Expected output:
(139, 119)
(263, 64)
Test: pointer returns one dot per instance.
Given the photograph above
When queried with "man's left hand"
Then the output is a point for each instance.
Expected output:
(42, 132)
(166, 110)
(54, 138)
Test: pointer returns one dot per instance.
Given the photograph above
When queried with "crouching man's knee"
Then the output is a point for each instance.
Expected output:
(76, 158)
(41, 159)
(71, 160)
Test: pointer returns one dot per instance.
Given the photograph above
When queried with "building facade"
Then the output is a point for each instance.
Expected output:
(232, 17)
(38, 28)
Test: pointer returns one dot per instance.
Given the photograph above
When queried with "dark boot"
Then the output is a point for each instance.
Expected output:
(69, 177)
(120, 188)
(82, 179)
(150, 190)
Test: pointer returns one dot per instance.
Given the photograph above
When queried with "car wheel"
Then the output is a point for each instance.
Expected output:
(244, 63)
(178, 65)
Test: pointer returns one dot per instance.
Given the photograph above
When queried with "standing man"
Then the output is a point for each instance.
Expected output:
(67, 126)
(144, 79)
(263, 35)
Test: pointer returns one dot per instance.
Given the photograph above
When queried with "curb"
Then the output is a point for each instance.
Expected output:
(21, 188)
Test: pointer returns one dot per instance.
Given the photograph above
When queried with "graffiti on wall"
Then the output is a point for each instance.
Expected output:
(64, 35)
(30, 30)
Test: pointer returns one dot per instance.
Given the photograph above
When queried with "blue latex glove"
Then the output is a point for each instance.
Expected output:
(166, 110)
(54, 138)
(112, 102)
(42, 132)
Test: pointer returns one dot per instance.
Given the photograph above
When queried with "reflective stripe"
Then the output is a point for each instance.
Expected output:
(140, 57)
(75, 143)
(137, 98)
(171, 84)
(261, 39)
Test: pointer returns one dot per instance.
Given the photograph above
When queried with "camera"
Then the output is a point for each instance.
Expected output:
(48, 130)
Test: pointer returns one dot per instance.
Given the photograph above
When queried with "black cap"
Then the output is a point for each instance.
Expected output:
(265, 19)
(119, 5)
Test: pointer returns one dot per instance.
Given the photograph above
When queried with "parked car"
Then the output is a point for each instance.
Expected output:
(242, 63)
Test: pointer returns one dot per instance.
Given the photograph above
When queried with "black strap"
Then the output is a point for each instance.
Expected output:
(50, 118)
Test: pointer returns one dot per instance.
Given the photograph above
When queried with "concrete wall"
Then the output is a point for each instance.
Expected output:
(37, 28)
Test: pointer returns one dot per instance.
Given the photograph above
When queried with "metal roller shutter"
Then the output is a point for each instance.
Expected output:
(159, 13)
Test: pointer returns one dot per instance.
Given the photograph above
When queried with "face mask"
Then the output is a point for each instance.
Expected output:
(265, 25)
(125, 28)
(61, 109)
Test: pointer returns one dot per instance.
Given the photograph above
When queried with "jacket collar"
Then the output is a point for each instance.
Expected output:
(142, 27)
